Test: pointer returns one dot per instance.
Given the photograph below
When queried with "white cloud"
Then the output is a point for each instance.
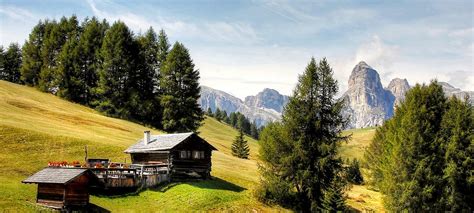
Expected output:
(17, 13)
(229, 32)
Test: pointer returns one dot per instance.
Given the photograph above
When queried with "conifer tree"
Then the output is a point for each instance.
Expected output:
(418, 158)
(149, 109)
(3, 74)
(334, 200)
(56, 35)
(71, 84)
(254, 130)
(312, 128)
(217, 114)
(179, 82)
(31, 55)
(117, 73)
(458, 136)
(89, 59)
(240, 147)
(11, 64)
(209, 112)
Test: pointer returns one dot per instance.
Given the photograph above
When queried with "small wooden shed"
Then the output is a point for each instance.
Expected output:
(63, 187)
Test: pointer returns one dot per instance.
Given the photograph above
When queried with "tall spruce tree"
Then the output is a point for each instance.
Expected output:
(56, 35)
(240, 147)
(89, 59)
(31, 55)
(3, 74)
(148, 78)
(11, 64)
(117, 73)
(457, 136)
(306, 160)
(179, 82)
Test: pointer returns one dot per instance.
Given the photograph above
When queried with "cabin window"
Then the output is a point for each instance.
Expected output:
(184, 154)
(198, 154)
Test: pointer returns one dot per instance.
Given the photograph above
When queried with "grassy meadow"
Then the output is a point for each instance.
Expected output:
(37, 127)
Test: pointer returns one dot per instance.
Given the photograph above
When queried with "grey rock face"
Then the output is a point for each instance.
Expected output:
(212, 98)
(367, 102)
(268, 99)
(449, 91)
(398, 87)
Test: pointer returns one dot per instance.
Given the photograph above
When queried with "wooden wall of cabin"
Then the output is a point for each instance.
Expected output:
(77, 192)
(144, 158)
(180, 164)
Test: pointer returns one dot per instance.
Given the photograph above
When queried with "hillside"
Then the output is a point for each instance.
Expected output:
(37, 127)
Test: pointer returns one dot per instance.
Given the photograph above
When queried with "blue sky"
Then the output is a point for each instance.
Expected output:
(242, 47)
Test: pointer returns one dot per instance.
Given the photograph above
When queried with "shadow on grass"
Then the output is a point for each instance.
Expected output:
(217, 183)
(213, 183)
(89, 208)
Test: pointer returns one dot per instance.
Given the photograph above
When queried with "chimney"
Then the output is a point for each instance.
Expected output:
(146, 137)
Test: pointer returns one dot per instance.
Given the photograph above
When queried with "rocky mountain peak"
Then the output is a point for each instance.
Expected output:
(368, 103)
(268, 99)
(398, 87)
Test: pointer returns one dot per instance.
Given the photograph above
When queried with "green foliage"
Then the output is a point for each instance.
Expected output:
(56, 35)
(302, 151)
(88, 60)
(117, 74)
(353, 174)
(179, 82)
(10, 62)
(457, 133)
(31, 55)
(240, 147)
(421, 159)
(334, 200)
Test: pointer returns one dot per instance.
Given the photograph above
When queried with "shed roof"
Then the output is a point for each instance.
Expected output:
(162, 142)
(55, 175)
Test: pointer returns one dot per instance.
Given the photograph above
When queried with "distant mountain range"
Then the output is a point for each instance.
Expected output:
(262, 108)
(368, 103)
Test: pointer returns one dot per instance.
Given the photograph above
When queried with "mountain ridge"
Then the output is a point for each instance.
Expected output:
(368, 102)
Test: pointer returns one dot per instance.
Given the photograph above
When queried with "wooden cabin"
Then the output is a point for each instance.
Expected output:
(181, 155)
(63, 187)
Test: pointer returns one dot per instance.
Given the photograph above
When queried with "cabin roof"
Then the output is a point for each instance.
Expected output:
(55, 175)
(161, 143)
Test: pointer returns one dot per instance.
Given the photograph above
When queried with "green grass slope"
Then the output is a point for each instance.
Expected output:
(36, 127)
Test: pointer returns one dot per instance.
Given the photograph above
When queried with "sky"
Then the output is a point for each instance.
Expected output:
(242, 47)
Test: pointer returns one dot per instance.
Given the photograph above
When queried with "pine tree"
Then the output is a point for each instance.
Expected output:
(233, 119)
(11, 64)
(3, 73)
(56, 35)
(70, 85)
(179, 83)
(311, 131)
(458, 136)
(334, 200)
(217, 114)
(149, 109)
(240, 147)
(117, 73)
(353, 173)
(89, 60)
(254, 130)
(31, 55)
(209, 112)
